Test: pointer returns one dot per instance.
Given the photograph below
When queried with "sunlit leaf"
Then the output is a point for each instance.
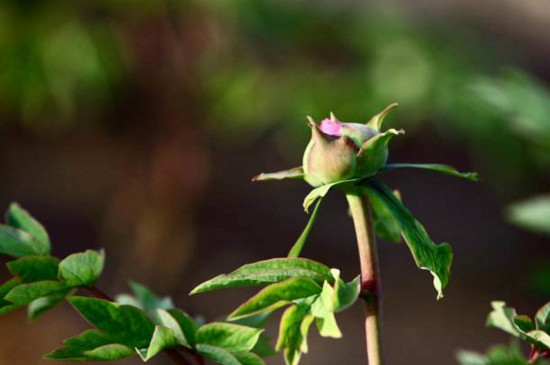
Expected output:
(17, 243)
(444, 169)
(296, 173)
(25, 293)
(232, 337)
(82, 269)
(427, 255)
(163, 338)
(299, 245)
(277, 295)
(532, 214)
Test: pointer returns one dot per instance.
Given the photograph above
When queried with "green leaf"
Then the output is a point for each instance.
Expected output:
(497, 355)
(182, 325)
(277, 295)
(296, 173)
(507, 320)
(34, 268)
(542, 318)
(327, 326)
(7, 306)
(233, 337)
(109, 352)
(428, 256)
(17, 243)
(163, 338)
(249, 358)
(293, 330)
(267, 272)
(532, 214)
(126, 324)
(82, 269)
(299, 245)
(444, 169)
(348, 293)
(90, 345)
(385, 225)
(19, 218)
(263, 347)
(41, 305)
(218, 355)
(321, 191)
(25, 293)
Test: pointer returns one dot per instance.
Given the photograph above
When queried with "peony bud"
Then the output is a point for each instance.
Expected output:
(340, 151)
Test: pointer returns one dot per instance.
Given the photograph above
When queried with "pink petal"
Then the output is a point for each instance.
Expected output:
(331, 127)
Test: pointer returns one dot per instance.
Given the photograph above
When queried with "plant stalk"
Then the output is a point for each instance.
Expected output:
(370, 276)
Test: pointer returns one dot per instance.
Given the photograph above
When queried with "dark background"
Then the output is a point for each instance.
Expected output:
(136, 126)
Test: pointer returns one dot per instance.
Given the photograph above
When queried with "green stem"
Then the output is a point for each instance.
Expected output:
(370, 282)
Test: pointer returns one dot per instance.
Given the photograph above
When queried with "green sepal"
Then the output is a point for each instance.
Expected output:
(82, 269)
(296, 173)
(19, 218)
(267, 272)
(377, 121)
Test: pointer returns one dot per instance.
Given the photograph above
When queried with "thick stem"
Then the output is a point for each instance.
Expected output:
(370, 282)
(172, 353)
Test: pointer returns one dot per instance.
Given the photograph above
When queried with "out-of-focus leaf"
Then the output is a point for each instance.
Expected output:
(277, 295)
(444, 169)
(232, 337)
(5, 305)
(428, 256)
(267, 272)
(497, 355)
(17, 243)
(19, 218)
(90, 345)
(126, 324)
(25, 293)
(507, 320)
(82, 269)
(542, 318)
(34, 268)
(41, 305)
(532, 214)
(296, 173)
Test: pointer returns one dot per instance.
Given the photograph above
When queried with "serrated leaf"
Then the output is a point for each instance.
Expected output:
(504, 318)
(277, 295)
(19, 218)
(233, 337)
(163, 338)
(25, 293)
(267, 272)
(427, 255)
(82, 269)
(126, 324)
(90, 345)
(17, 243)
(300, 242)
(41, 305)
(296, 173)
(293, 329)
(218, 355)
(444, 169)
(34, 268)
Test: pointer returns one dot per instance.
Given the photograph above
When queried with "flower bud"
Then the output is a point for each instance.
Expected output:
(340, 151)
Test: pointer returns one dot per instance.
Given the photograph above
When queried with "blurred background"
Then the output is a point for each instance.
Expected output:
(137, 125)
